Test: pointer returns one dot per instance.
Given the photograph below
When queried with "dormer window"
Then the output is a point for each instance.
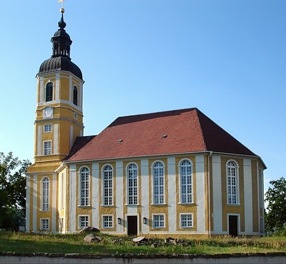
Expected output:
(49, 92)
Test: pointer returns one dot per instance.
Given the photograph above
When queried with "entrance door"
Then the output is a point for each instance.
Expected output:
(132, 225)
(233, 225)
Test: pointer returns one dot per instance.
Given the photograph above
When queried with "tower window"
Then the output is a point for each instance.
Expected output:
(49, 92)
(47, 148)
(75, 92)
(48, 128)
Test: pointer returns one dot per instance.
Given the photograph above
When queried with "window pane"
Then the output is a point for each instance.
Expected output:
(45, 194)
(232, 186)
(84, 186)
(186, 181)
(107, 185)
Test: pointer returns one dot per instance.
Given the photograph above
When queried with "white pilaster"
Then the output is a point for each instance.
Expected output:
(217, 194)
(70, 89)
(54, 203)
(39, 142)
(200, 194)
(56, 139)
(71, 136)
(73, 198)
(28, 202)
(35, 205)
(41, 90)
(145, 194)
(247, 178)
(119, 194)
(95, 194)
(57, 87)
(172, 216)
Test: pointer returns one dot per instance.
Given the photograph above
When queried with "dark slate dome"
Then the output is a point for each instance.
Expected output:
(60, 59)
(60, 63)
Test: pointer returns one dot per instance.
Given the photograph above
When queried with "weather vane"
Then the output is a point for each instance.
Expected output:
(62, 1)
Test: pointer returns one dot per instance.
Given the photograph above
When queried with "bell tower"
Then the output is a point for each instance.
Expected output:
(59, 120)
(59, 115)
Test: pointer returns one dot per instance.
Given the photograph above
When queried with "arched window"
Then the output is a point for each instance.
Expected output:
(232, 182)
(45, 194)
(75, 95)
(49, 92)
(107, 185)
(84, 186)
(186, 181)
(158, 183)
(132, 180)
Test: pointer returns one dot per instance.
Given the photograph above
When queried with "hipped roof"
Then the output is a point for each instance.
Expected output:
(163, 133)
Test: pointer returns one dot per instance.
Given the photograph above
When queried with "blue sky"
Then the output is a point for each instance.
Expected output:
(225, 57)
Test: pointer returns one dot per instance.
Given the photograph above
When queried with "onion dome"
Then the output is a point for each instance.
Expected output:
(60, 59)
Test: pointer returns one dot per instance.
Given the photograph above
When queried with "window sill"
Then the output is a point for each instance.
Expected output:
(229, 204)
(84, 206)
(162, 204)
(192, 203)
(106, 205)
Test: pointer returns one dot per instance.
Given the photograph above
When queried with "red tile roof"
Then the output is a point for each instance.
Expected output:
(162, 133)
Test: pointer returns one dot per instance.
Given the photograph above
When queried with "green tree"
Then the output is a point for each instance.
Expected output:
(12, 190)
(276, 206)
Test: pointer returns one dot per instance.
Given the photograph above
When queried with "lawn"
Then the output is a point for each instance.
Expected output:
(74, 243)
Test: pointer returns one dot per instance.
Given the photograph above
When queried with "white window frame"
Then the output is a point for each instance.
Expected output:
(107, 185)
(158, 221)
(45, 194)
(158, 176)
(187, 223)
(186, 182)
(83, 221)
(232, 182)
(47, 146)
(45, 224)
(84, 186)
(132, 184)
(47, 128)
(107, 221)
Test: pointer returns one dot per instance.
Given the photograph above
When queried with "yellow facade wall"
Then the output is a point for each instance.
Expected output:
(255, 196)
(237, 209)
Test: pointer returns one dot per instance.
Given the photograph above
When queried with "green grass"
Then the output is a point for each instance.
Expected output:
(63, 244)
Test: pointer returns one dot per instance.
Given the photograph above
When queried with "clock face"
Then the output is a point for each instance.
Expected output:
(48, 112)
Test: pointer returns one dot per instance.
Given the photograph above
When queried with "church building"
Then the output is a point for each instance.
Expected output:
(173, 172)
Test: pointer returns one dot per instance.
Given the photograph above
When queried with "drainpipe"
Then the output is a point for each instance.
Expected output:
(209, 193)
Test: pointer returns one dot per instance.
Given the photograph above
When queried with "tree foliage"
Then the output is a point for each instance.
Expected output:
(12, 190)
(276, 206)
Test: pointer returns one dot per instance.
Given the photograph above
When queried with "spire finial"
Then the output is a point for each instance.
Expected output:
(62, 23)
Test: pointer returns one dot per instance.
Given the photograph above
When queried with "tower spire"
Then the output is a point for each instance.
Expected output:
(61, 46)
(61, 40)
(62, 24)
